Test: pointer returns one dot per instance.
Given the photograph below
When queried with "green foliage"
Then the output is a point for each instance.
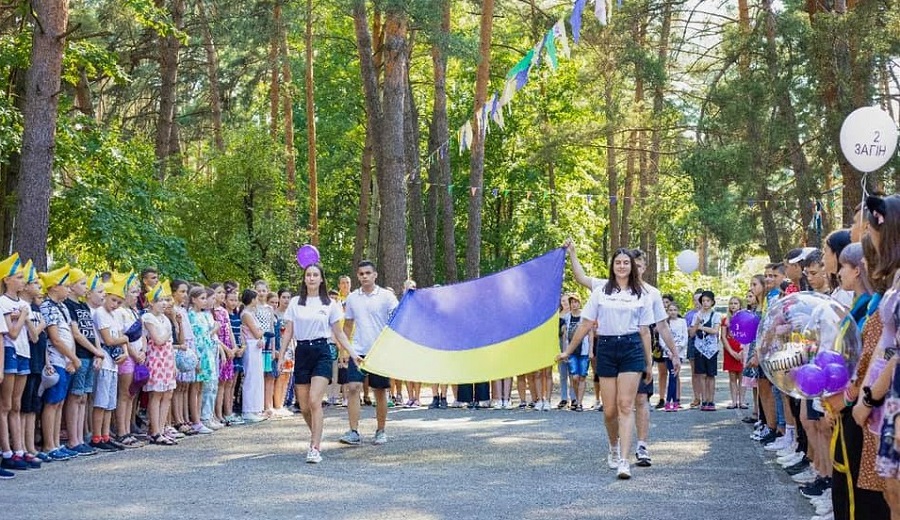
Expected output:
(235, 220)
(108, 210)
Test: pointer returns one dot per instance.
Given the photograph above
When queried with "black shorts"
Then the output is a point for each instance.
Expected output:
(355, 375)
(31, 402)
(312, 359)
(645, 388)
(704, 366)
(618, 354)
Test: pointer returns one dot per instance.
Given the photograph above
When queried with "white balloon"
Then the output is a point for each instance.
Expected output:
(868, 138)
(688, 261)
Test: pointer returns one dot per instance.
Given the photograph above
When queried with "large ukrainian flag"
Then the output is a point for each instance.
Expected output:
(498, 326)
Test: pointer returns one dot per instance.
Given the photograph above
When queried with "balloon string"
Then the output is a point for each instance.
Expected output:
(838, 435)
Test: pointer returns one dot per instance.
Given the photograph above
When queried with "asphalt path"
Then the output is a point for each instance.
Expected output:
(450, 464)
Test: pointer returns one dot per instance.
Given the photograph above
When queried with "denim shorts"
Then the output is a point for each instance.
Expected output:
(355, 375)
(618, 354)
(646, 388)
(83, 378)
(311, 359)
(13, 364)
(578, 365)
(58, 392)
(704, 366)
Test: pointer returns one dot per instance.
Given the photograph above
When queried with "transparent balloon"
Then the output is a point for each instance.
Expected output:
(809, 345)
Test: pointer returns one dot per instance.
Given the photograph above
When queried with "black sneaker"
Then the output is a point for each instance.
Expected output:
(443, 403)
(660, 404)
(562, 404)
(435, 403)
(816, 488)
(799, 467)
(115, 445)
(771, 437)
(15, 462)
(102, 446)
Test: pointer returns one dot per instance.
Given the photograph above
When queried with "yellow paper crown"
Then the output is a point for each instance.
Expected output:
(159, 291)
(10, 266)
(75, 275)
(54, 277)
(120, 284)
(94, 281)
(31, 274)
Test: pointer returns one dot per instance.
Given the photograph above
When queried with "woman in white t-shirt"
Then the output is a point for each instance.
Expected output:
(623, 312)
(309, 321)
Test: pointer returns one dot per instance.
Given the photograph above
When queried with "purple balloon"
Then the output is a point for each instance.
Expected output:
(810, 380)
(827, 357)
(743, 327)
(307, 255)
(836, 377)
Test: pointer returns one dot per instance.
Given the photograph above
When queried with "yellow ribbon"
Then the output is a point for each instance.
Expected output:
(845, 467)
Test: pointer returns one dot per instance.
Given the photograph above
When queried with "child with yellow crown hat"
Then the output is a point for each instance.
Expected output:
(90, 355)
(160, 362)
(16, 365)
(128, 315)
(112, 336)
(37, 344)
(61, 357)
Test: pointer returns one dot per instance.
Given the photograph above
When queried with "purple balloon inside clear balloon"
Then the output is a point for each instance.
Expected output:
(810, 380)
(836, 377)
(828, 357)
(307, 255)
(743, 327)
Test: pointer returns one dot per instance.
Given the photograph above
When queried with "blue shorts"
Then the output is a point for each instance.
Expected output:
(355, 375)
(311, 359)
(704, 366)
(578, 365)
(645, 388)
(58, 392)
(83, 378)
(618, 354)
(13, 364)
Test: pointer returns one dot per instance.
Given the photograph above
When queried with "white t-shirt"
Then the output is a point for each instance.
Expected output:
(659, 309)
(57, 315)
(370, 313)
(679, 329)
(845, 298)
(186, 328)
(313, 320)
(570, 332)
(618, 313)
(7, 307)
(126, 318)
(104, 320)
(708, 345)
(159, 323)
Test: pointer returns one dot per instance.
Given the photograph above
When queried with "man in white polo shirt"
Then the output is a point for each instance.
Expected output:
(366, 313)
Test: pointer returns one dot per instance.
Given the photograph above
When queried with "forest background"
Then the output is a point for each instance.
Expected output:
(210, 138)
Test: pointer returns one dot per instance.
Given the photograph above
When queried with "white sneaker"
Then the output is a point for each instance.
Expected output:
(824, 507)
(804, 477)
(380, 437)
(546, 405)
(790, 449)
(509, 405)
(497, 405)
(313, 456)
(612, 458)
(624, 472)
(791, 459)
(824, 498)
(777, 445)
(202, 429)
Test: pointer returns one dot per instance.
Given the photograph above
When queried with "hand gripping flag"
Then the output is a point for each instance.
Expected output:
(498, 326)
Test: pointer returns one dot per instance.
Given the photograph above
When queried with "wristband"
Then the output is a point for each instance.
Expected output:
(867, 398)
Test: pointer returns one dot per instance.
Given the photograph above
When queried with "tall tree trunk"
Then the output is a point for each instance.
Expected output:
(612, 169)
(476, 162)
(392, 150)
(169, 47)
(365, 197)
(422, 259)
(83, 101)
(12, 167)
(49, 18)
(212, 72)
(627, 201)
(659, 89)
(274, 72)
(311, 131)
(440, 200)
(287, 99)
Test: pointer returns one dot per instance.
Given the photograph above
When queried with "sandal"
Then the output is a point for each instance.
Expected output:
(744, 407)
(162, 440)
(732, 406)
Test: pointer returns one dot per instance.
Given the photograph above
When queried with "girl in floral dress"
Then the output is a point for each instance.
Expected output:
(160, 362)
